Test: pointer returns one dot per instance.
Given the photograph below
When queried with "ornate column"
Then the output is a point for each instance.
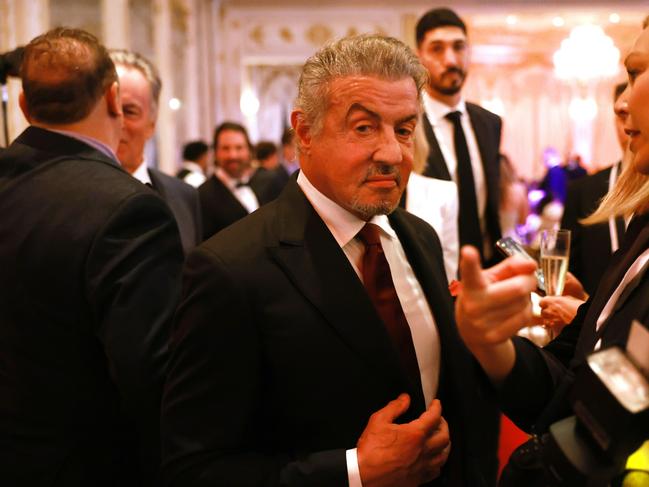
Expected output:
(191, 95)
(20, 22)
(162, 40)
(215, 61)
(115, 24)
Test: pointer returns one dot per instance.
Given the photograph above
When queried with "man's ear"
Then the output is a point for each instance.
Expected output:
(302, 130)
(22, 102)
(114, 100)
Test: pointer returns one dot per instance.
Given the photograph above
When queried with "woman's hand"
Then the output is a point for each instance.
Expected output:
(558, 311)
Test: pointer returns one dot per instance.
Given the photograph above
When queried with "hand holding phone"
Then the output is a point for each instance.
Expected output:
(509, 247)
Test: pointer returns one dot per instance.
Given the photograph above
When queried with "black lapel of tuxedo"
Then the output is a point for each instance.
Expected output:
(427, 264)
(319, 269)
(260, 185)
(157, 184)
(620, 263)
(180, 208)
(227, 200)
(488, 144)
(436, 165)
(488, 150)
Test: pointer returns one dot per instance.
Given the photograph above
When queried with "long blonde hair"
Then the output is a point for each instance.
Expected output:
(629, 196)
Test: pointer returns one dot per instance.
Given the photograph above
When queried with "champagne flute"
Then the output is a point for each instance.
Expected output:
(555, 252)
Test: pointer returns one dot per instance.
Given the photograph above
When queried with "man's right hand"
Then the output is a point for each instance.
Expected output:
(491, 307)
(406, 455)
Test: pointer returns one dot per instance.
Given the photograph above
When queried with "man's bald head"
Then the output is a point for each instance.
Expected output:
(64, 73)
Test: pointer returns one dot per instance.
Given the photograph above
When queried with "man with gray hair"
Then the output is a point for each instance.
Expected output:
(315, 343)
(140, 88)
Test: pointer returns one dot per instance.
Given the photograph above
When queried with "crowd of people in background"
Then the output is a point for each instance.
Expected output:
(330, 311)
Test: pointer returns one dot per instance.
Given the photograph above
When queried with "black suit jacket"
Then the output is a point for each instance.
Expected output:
(220, 208)
(90, 263)
(183, 203)
(487, 127)
(590, 246)
(535, 393)
(280, 357)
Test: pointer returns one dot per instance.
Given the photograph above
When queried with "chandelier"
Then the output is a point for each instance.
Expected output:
(586, 55)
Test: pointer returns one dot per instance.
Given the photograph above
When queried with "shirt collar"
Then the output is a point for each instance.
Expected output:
(142, 173)
(227, 180)
(342, 224)
(91, 141)
(436, 110)
(192, 166)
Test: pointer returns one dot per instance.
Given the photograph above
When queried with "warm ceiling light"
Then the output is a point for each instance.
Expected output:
(558, 21)
(587, 54)
(582, 109)
(175, 104)
(249, 103)
(614, 18)
(511, 20)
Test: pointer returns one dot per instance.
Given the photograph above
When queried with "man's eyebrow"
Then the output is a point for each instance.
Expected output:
(358, 107)
(407, 119)
(447, 41)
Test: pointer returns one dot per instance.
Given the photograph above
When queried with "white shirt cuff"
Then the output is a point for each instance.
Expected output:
(353, 472)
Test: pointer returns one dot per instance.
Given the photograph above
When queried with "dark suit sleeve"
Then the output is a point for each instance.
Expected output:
(198, 217)
(538, 373)
(133, 275)
(569, 221)
(214, 399)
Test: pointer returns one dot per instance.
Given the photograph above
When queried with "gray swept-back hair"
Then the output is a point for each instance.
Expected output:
(134, 60)
(364, 55)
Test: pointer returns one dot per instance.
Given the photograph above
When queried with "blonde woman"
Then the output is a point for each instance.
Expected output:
(494, 303)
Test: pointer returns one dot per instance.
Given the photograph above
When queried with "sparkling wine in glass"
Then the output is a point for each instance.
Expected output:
(555, 252)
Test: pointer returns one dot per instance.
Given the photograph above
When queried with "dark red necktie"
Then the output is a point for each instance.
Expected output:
(378, 283)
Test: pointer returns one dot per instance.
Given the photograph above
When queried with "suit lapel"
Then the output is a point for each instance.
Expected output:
(317, 266)
(488, 145)
(427, 264)
(436, 165)
(157, 184)
(620, 263)
(227, 198)
(485, 143)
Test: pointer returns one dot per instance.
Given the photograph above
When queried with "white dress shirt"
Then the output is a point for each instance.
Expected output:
(195, 177)
(244, 194)
(635, 268)
(443, 130)
(142, 173)
(344, 226)
(436, 202)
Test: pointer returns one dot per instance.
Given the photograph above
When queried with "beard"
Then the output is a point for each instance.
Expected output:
(384, 206)
(367, 211)
(445, 89)
(233, 167)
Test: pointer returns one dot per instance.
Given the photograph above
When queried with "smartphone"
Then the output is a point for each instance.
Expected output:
(509, 247)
